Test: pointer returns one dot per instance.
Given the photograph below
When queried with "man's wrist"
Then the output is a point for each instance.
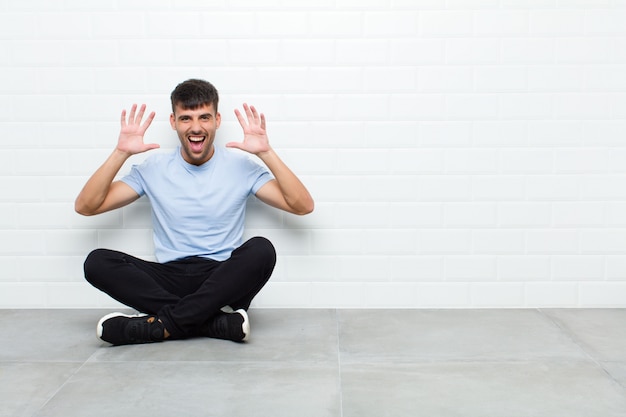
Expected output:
(119, 153)
(266, 154)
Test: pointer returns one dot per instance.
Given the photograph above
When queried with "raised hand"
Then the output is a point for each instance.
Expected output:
(255, 138)
(131, 134)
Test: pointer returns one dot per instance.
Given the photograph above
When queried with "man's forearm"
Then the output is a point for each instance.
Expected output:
(97, 187)
(294, 192)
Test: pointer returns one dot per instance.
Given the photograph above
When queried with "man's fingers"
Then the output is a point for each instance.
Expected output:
(142, 110)
(257, 117)
(242, 121)
(131, 116)
(123, 118)
(254, 117)
(134, 117)
(236, 145)
(247, 110)
(151, 146)
(148, 121)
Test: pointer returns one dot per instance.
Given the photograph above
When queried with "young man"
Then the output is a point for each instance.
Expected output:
(205, 277)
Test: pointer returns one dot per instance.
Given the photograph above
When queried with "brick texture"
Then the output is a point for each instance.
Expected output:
(461, 153)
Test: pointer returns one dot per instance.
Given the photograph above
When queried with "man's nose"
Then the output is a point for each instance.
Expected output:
(195, 126)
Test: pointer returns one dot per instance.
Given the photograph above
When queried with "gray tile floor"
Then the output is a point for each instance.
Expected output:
(318, 363)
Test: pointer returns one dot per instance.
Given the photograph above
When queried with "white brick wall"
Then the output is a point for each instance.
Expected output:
(461, 153)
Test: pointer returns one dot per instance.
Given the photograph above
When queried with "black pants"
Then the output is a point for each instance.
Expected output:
(186, 293)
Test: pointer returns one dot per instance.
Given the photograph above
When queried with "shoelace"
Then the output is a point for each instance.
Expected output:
(219, 326)
(143, 330)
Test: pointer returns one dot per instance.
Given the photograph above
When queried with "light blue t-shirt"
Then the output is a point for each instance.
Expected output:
(197, 210)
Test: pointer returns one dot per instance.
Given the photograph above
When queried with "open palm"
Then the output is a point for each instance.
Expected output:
(132, 131)
(255, 138)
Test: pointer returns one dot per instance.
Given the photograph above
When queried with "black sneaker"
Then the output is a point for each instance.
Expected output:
(233, 326)
(124, 329)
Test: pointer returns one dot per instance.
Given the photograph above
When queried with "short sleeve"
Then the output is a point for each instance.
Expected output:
(134, 180)
(259, 176)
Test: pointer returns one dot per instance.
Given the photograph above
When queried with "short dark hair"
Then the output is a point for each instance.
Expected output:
(194, 93)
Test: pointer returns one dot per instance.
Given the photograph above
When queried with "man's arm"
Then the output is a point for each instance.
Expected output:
(101, 193)
(286, 191)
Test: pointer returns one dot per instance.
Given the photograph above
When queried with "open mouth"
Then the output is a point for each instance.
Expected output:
(196, 143)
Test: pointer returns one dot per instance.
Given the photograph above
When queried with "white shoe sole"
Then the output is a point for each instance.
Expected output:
(245, 326)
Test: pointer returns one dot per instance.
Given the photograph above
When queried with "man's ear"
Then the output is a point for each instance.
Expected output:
(218, 120)
(173, 121)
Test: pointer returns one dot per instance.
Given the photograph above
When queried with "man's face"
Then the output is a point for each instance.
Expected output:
(196, 130)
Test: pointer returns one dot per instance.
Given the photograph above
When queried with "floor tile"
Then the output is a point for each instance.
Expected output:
(202, 389)
(602, 332)
(25, 387)
(324, 363)
(48, 335)
(418, 335)
(489, 389)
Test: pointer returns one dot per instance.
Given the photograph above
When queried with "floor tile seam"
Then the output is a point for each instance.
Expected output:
(619, 381)
(561, 361)
(330, 363)
(339, 363)
(65, 382)
(571, 335)
(41, 361)
(587, 350)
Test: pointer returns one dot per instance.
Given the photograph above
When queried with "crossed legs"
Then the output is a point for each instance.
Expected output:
(186, 295)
